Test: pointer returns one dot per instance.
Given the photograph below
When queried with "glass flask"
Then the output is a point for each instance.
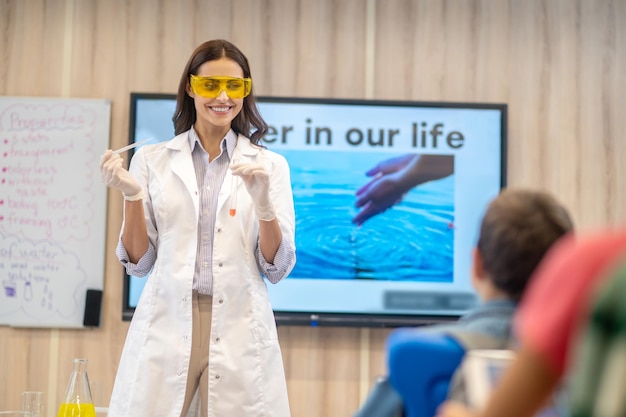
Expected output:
(77, 401)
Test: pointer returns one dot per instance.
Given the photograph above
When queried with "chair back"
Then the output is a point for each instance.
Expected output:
(421, 365)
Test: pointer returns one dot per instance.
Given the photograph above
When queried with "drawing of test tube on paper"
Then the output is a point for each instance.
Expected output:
(28, 290)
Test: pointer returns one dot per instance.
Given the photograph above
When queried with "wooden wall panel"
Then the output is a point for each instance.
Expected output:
(325, 369)
(560, 65)
(32, 36)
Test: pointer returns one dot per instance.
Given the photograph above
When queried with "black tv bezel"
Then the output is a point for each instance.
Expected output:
(313, 318)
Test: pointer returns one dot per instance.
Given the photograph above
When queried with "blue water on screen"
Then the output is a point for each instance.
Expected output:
(412, 241)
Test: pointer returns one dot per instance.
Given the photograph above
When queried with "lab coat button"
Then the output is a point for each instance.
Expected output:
(219, 230)
(221, 301)
(220, 264)
(217, 377)
(217, 340)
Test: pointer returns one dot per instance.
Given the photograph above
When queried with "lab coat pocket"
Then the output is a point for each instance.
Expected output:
(266, 337)
(264, 323)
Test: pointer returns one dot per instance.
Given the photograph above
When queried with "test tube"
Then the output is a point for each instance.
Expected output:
(233, 196)
(132, 145)
(233, 187)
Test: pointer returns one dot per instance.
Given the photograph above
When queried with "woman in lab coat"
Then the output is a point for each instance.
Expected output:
(207, 214)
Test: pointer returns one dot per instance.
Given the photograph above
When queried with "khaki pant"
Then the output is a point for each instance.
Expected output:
(199, 361)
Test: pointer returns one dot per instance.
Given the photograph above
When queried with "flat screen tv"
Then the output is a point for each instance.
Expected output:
(408, 265)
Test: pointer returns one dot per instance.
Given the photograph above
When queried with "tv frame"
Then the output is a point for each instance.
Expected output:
(372, 320)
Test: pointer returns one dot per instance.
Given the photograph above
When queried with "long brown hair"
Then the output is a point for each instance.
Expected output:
(249, 116)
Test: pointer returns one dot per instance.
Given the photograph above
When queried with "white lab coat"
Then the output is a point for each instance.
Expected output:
(246, 376)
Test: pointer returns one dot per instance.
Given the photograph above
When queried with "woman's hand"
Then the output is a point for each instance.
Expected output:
(114, 175)
(257, 180)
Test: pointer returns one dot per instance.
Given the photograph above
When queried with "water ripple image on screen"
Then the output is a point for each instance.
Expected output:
(411, 241)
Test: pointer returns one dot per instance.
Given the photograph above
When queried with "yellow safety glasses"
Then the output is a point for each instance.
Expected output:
(211, 87)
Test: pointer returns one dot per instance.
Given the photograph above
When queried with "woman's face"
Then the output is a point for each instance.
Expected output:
(221, 110)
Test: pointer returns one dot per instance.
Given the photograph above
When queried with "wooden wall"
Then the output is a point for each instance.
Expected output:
(559, 64)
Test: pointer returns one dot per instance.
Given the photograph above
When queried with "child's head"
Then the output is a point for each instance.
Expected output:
(517, 230)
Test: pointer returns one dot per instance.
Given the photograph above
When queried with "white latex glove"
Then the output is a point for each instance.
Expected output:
(257, 181)
(114, 175)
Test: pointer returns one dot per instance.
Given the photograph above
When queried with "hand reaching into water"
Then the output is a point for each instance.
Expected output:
(394, 177)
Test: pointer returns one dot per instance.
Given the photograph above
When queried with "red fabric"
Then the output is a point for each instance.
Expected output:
(559, 294)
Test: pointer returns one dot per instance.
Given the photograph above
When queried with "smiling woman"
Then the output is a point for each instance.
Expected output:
(205, 310)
